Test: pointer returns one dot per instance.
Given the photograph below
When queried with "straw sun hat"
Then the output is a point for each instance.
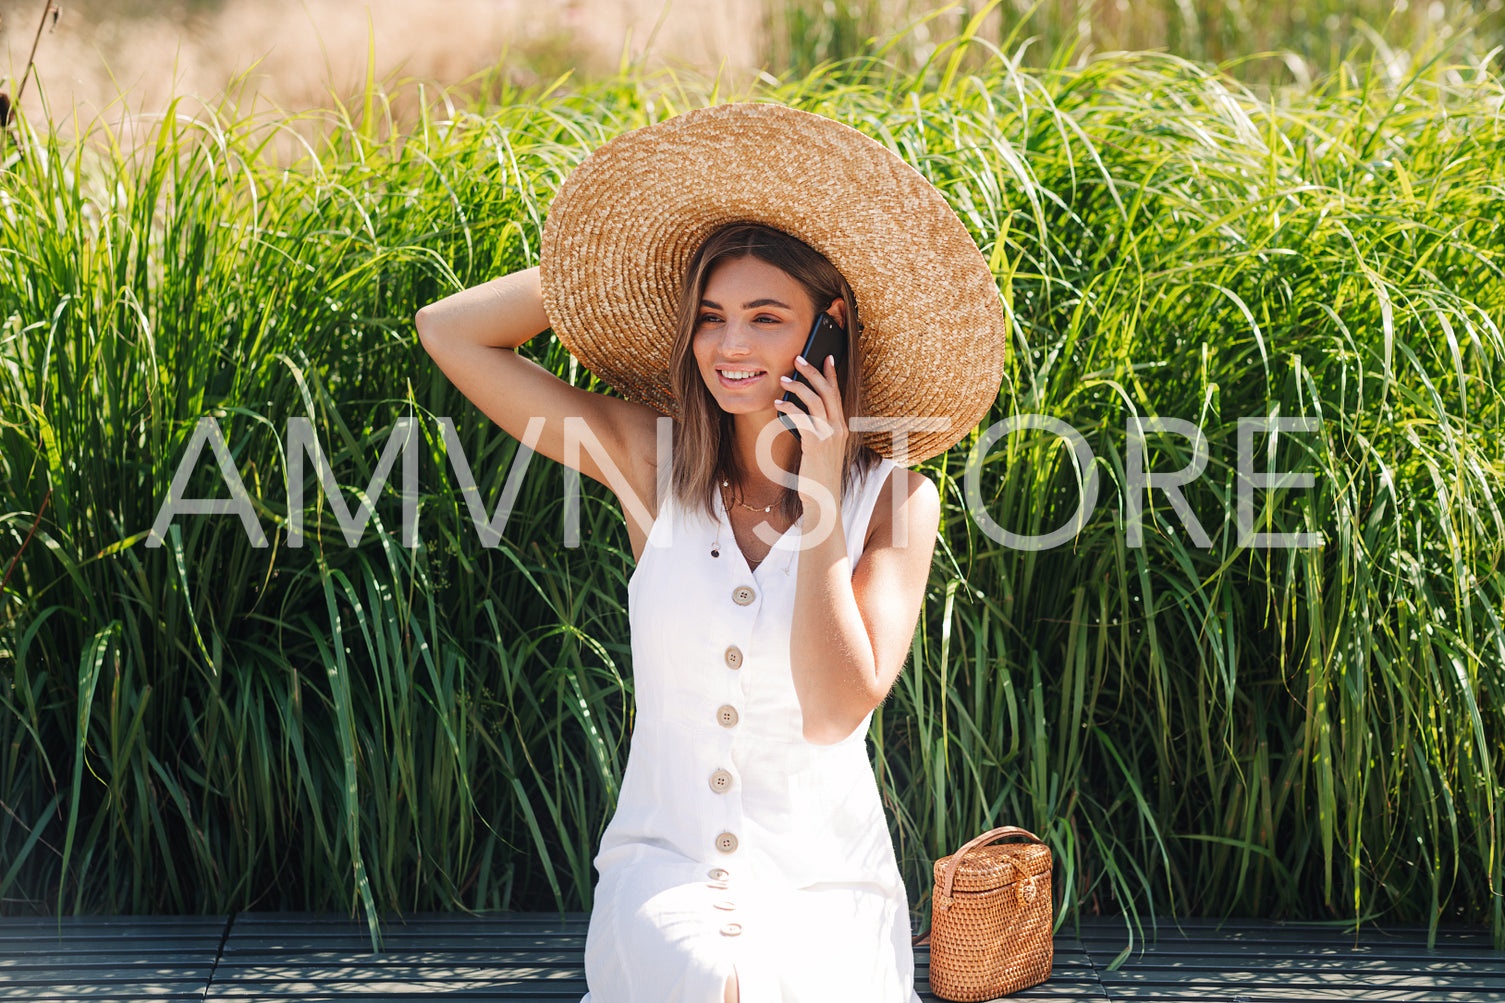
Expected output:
(625, 223)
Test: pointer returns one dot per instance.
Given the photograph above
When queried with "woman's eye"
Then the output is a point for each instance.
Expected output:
(706, 318)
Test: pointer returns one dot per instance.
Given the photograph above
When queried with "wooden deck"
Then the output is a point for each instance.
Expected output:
(264, 957)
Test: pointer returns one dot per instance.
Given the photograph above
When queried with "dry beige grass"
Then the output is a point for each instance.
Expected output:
(297, 52)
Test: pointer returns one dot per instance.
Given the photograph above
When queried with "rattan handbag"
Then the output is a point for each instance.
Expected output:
(990, 926)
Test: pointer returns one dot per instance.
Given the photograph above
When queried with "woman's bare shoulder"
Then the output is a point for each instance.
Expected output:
(918, 506)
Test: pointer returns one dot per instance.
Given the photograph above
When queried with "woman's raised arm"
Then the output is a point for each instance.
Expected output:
(472, 335)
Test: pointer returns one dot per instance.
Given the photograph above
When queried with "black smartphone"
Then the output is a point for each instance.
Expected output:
(826, 338)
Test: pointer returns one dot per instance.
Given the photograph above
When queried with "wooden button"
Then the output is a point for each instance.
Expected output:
(733, 657)
(721, 781)
(718, 874)
(726, 843)
(743, 594)
(725, 905)
(726, 716)
(731, 929)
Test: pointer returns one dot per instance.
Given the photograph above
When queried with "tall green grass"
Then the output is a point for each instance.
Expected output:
(1260, 43)
(1311, 733)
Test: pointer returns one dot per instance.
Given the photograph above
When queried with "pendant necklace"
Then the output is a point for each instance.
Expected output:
(766, 509)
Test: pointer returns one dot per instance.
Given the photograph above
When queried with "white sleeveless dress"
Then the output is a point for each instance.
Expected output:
(736, 844)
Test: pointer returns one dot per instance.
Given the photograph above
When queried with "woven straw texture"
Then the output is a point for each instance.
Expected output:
(625, 223)
(991, 921)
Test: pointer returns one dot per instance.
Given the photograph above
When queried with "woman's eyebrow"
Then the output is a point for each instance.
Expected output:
(749, 306)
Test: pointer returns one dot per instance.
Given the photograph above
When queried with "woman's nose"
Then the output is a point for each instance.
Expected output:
(735, 340)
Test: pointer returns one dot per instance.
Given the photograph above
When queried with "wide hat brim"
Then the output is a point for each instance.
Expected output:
(625, 223)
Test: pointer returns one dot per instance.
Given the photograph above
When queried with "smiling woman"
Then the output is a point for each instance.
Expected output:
(774, 599)
(750, 298)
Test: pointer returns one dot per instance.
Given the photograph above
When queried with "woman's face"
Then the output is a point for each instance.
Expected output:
(753, 320)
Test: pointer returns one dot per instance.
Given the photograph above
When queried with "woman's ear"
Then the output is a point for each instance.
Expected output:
(838, 312)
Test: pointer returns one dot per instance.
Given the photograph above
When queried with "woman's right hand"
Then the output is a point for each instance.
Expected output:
(472, 335)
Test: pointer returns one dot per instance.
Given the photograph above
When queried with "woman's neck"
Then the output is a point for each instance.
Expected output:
(785, 448)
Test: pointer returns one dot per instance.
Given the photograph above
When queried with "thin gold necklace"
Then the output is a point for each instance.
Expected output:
(716, 543)
(726, 484)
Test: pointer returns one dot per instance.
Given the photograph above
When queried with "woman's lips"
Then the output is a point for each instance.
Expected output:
(728, 382)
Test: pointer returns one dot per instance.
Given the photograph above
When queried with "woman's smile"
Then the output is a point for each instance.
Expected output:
(735, 378)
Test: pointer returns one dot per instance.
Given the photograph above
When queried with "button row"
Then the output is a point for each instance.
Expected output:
(721, 781)
(726, 843)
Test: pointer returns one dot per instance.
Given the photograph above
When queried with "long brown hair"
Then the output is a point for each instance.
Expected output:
(703, 453)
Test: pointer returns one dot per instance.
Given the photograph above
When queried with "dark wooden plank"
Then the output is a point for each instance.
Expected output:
(1275, 991)
(296, 980)
(417, 924)
(519, 957)
(1166, 932)
(272, 942)
(268, 934)
(1231, 952)
(508, 956)
(100, 959)
(1292, 929)
(560, 956)
(270, 957)
(69, 991)
(1246, 962)
(126, 932)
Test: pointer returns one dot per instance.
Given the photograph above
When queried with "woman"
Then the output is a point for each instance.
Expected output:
(775, 598)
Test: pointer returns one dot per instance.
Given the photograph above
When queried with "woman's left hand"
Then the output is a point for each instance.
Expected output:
(823, 432)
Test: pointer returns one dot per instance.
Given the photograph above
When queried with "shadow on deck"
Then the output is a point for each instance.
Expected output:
(255, 957)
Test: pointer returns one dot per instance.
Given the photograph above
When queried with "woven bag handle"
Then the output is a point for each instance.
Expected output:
(987, 837)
